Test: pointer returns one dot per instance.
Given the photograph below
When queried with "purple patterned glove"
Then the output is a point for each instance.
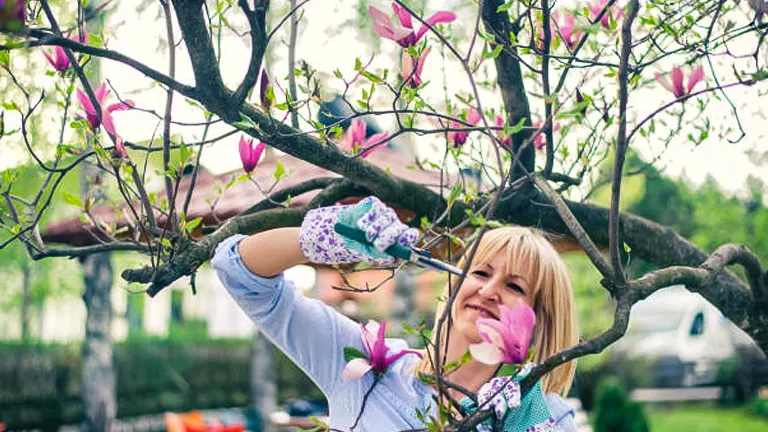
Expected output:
(502, 393)
(321, 244)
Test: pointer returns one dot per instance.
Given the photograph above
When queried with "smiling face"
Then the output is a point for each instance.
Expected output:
(512, 264)
(489, 284)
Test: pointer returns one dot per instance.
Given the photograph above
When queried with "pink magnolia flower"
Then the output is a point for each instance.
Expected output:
(413, 77)
(402, 32)
(597, 6)
(541, 140)
(106, 114)
(355, 134)
(59, 61)
(250, 155)
(12, 13)
(504, 138)
(505, 340)
(676, 85)
(565, 25)
(458, 138)
(376, 350)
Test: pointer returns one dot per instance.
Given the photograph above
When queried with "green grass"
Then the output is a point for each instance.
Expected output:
(704, 419)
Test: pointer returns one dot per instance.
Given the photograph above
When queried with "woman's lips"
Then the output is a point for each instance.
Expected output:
(483, 311)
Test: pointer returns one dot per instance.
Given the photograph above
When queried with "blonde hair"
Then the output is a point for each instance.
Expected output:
(552, 295)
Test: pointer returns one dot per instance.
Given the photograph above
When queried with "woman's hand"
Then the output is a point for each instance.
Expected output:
(321, 244)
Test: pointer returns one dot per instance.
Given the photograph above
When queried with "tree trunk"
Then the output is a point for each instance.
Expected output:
(263, 383)
(98, 392)
(26, 284)
(99, 381)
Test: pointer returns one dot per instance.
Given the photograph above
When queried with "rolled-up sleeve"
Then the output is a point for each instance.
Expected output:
(308, 331)
(562, 412)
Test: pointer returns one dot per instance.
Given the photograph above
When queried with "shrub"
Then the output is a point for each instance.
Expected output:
(614, 412)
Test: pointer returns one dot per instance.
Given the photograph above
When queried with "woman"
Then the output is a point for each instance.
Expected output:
(511, 265)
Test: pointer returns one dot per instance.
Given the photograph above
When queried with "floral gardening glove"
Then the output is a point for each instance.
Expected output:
(501, 393)
(321, 244)
(529, 413)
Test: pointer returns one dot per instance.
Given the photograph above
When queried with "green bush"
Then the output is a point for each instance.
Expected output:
(40, 384)
(614, 412)
(758, 407)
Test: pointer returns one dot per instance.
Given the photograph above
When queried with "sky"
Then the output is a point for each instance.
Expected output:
(330, 39)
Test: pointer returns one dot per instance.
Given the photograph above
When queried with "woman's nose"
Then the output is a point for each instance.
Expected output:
(488, 289)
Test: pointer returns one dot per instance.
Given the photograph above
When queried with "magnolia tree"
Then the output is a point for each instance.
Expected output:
(551, 91)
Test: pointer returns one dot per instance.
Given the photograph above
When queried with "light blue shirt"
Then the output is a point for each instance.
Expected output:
(314, 335)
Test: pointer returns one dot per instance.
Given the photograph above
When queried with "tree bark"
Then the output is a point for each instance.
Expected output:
(263, 385)
(25, 300)
(99, 399)
(99, 382)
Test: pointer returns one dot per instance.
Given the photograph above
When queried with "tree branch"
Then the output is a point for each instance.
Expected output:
(621, 145)
(257, 20)
(510, 79)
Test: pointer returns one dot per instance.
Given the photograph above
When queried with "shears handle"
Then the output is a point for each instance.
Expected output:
(358, 235)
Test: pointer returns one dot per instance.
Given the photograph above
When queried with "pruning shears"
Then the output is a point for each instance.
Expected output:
(411, 254)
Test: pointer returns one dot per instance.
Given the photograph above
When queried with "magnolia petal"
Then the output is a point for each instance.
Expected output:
(696, 76)
(393, 358)
(356, 368)
(486, 353)
(85, 102)
(374, 143)
(102, 93)
(53, 62)
(407, 66)
(246, 150)
(473, 116)
(677, 81)
(370, 330)
(439, 17)
(122, 106)
(664, 81)
(491, 331)
(108, 123)
(420, 64)
(402, 15)
(384, 27)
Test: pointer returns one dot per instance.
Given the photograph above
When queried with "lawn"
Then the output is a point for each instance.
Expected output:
(702, 419)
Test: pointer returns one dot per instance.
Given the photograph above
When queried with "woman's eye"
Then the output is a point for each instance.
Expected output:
(515, 287)
(480, 273)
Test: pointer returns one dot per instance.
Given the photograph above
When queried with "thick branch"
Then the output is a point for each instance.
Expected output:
(212, 91)
(621, 145)
(257, 21)
(193, 254)
(510, 79)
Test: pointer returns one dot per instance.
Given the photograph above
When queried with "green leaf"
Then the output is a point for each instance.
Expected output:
(370, 76)
(466, 357)
(279, 170)
(194, 223)
(5, 58)
(184, 153)
(509, 370)
(351, 353)
(455, 193)
(451, 366)
(425, 379)
(72, 199)
(506, 6)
